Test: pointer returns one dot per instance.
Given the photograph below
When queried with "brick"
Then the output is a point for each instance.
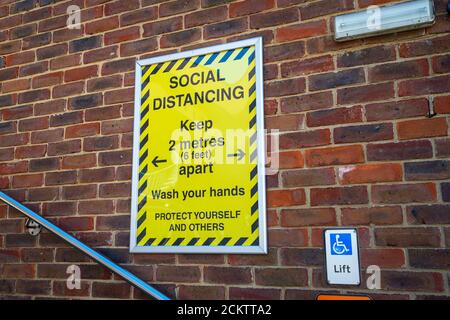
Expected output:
(304, 139)
(208, 3)
(404, 193)
(163, 26)
(308, 66)
(65, 61)
(101, 143)
(178, 273)
(396, 110)
(336, 79)
(9, 73)
(306, 102)
(120, 95)
(441, 64)
(102, 83)
(64, 35)
(424, 47)
(177, 39)
(33, 124)
(407, 237)
(226, 28)
(66, 147)
(254, 260)
(151, 44)
(365, 93)
(59, 209)
(46, 136)
(8, 127)
(37, 255)
(429, 258)
(339, 196)
(308, 217)
(85, 101)
(60, 289)
(10, 47)
(111, 290)
(445, 189)
(177, 6)
(372, 215)
(201, 292)
(370, 173)
(308, 177)
(291, 277)
(10, 226)
(334, 156)
(385, 258)
(44, 164)
(14, 139)
(334, 116)
(427, 170)
(52, 51)
(273, 18)
(422, 128)
(290, 159)
(237, 293)
(366, 56)
(285, 87)
(61, 177)
(86, 43)
(80, 73)
(82, 130)
(35, 95)
(118, 66)
(8, 100)
(116, 222)
(321, 8)
(30, 152)
(115, 158)
(363, 133)
(23, 57)
(26, 181)
(206, 16)
(291, 122)
(65, 119)
(419, 149)
(69, 89)
(47, 80)
(100, 54)
(52, 24)
(20, 6)
(122, 35)
(136, 16)
(76, 223)
(79, 161)
(96, 207)
(16, 85)
(7, 154)
(286, 51)
(441, 104)
(97, 175)
(228, 275)
(399, 70)
(428, 214)
(288, 237)
(301, 31)
(102, 25)
(21, 240)
(121, 126)
(113, 190)
(33, 287)
(18, 271)
(301, 257)
(442, 148)
(281, 198)
(417, 87)
(43, 194)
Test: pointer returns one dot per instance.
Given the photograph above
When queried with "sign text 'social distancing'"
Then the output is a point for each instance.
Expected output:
(198, 168)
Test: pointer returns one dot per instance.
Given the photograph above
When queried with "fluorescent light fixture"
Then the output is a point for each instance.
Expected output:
(376, 20)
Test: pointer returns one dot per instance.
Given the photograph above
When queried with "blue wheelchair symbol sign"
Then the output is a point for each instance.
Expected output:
(341, 244)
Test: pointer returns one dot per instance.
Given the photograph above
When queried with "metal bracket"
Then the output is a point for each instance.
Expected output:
(33, 227)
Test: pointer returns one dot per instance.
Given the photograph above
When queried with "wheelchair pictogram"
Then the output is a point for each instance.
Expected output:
(341, 244)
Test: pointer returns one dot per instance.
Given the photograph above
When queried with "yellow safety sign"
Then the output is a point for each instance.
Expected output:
(198, 168)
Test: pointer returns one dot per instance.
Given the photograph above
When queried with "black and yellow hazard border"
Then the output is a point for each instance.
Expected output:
(141, 240)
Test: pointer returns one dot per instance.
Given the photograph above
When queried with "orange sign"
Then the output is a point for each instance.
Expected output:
(341, 297)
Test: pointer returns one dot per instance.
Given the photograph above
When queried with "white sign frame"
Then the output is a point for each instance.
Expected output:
(262, 247)
(353, 260)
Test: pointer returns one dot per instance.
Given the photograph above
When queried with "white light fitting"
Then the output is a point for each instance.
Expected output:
(376, 20)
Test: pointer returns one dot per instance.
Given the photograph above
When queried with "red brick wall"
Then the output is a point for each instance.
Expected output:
(357, 147)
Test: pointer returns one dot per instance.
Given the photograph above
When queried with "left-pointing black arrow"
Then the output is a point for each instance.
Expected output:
(156, 161)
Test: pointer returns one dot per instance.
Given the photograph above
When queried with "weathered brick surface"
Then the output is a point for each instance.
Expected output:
(357, 147)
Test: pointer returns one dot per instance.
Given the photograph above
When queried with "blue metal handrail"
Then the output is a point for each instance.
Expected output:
(128, 276)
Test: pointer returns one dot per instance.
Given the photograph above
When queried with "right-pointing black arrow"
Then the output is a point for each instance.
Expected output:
(156, 161)
(240, 154)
